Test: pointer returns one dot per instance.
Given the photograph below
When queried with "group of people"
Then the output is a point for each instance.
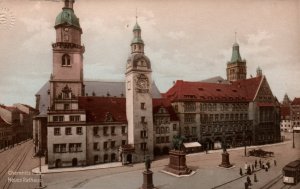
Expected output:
(249, 169)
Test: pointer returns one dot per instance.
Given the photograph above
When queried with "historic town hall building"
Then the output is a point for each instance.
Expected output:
(88, 122)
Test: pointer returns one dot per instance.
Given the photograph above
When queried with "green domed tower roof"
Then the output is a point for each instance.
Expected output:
(67, 16)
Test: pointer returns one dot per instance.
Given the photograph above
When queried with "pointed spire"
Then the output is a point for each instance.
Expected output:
(235, 57)
(137, 43)
(258, 72)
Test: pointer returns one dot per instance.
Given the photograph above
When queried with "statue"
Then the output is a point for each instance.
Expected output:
(147, 163)
(224, 146)
(177, 142)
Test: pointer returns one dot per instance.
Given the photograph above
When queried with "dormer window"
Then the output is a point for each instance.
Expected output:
(66, 60)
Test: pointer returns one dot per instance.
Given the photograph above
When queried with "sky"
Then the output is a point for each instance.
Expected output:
(185, 40)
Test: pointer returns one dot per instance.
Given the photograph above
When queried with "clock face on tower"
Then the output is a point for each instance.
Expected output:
(142, 83)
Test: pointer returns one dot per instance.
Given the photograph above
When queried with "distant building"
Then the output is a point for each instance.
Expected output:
(285, 115)
(89, 122)
(295, 114)
(15, 124)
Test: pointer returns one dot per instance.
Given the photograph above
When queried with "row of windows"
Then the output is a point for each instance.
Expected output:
(72, 118)
(113, 158)
(222, 117)
(106, 131)
(3, 134)
(161, 120)
(68, 131)
(162, 130)
(106, 146)
(223, 107)
(225, 128)
(62, 148)
(160, 140)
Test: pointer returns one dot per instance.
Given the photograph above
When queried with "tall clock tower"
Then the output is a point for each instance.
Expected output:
(139, 99)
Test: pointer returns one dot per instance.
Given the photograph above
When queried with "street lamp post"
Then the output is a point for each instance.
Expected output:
(245, 149)
(293, 137)
(40, 165)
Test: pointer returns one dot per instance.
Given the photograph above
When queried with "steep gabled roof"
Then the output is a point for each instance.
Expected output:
(296, 101)
(4, 123)
(241, 90)
(97, 109)
(165, 103)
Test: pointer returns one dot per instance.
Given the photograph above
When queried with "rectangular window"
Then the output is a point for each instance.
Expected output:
(162, 139)
(189, 118)
(157, 130)
(194, 130)
(96, 147)
(105, 145)
(68, 131)
(66, 106)
(63, 148)
(167, 130)
(105, 131)
(144, 146)
(112, 129)
(79, 130)
(123, 142)
(157, 140)
(56, 131)
(143, 119)
(123, 129)
(75, 118)
(112, 144)
(167, 139)
(95, 131)
(174, 127)
(72, 147)
(56, 148)
(78, 147)
(143, 106)
(58, 118)
(143, 134)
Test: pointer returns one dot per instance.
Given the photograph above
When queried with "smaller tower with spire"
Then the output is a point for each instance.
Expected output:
(137, 44)
(258, 72)
(236, 67)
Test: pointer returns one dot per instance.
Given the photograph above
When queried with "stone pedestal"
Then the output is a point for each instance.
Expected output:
(147, 180)
(177, 164)
(225, 160)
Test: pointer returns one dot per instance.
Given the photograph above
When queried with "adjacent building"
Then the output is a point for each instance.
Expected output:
(295, 114)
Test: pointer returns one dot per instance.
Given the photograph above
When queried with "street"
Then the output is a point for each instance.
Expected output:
(208, 174)
(16, 165)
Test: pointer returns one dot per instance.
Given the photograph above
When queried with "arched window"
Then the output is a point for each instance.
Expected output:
(66, 60)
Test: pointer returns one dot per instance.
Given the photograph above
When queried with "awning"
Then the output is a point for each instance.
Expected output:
(191, 144)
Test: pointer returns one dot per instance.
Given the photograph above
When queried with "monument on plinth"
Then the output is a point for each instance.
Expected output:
(225, 158)
(177, 164)
(147, 176)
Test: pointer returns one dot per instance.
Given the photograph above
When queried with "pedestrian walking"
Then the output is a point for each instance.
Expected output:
(246, 167)
(246, 185)
(255, 179)
(260, 163)
(255, 164)
(252, 167)
(268, 164)
(275, 163)
(249, 180)
(241, 171)
(249, 170)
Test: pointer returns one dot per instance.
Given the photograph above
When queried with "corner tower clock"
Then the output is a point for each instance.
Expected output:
(139, 99)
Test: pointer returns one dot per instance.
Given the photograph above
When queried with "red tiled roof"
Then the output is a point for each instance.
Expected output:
(241, 90)
(97, 108)
(163, 102)
(296, 101)
(285, 111)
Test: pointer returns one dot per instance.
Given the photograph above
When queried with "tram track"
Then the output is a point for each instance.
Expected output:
(14, 165)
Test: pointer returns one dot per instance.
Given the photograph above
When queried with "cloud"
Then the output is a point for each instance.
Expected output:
(177, 35)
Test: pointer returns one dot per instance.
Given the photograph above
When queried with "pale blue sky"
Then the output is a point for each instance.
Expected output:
(185, 39)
